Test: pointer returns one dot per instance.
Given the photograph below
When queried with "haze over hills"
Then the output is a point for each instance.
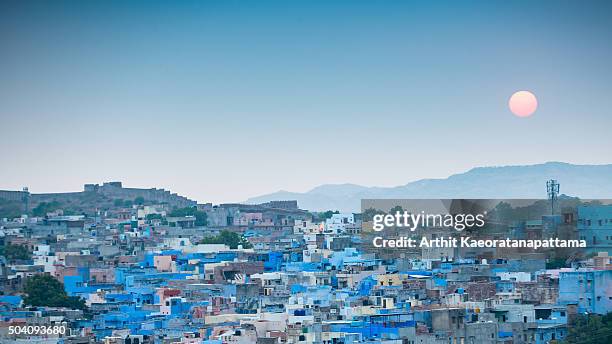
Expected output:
(528, 181)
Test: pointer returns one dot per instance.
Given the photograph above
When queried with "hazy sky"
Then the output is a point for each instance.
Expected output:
(221, 100)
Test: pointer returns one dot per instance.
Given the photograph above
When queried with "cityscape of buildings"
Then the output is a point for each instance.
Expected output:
(149, 266)
(341, 172)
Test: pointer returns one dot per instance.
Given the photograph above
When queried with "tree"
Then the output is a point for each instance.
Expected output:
(201, 217)
(228, 238)
(118, 202)
(139, 200)
(396, 209)
(15, 252)
(590, 329)
(327, 214)
(44, 290)
(555, 263)
(368, 214)
(43, 208)
(150, 217)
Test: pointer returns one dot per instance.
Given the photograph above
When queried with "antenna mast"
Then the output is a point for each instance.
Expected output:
(552, 188)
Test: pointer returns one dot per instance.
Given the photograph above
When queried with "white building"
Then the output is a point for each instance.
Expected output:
(338, 222)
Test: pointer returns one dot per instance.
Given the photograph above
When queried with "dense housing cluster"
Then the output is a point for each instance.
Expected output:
(273, 273)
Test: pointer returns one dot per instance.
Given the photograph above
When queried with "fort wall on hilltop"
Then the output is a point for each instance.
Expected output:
(109, 190)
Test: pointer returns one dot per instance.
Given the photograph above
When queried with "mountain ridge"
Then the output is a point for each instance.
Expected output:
(510, 181)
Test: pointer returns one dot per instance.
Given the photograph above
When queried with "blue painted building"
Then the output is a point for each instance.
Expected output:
(595, 226)
(590, 289)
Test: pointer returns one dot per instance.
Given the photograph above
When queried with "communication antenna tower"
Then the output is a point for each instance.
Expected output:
(552, 188)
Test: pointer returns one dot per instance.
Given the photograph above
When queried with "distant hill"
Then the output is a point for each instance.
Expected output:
(584, 181)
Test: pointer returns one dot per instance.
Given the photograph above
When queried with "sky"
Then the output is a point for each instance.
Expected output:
(220, 100)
